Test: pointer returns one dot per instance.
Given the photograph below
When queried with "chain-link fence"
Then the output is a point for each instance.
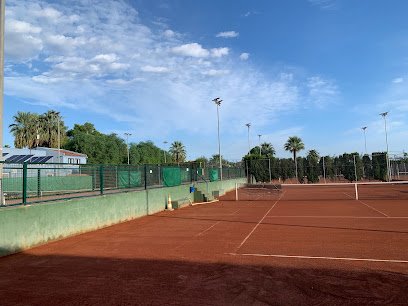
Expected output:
(328, 169)
(28, 183)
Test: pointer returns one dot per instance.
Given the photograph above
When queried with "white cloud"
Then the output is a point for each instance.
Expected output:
(321, 91)
(16, 26)
(228, 34)
(214, 72)
(115, 68)
(244, 56)
(169, 33)
(398, 80)
(193, 50)
(219, 52)
(156, 69)
(324, 4)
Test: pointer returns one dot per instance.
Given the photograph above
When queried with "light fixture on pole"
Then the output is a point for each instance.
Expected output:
(365, 140)
(249, 145)
(384, 115)
(164, 151)
(127, 146)
(217, 102)
(260, 152)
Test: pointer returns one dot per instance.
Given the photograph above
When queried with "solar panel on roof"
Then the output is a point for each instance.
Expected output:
(12, 158)
(35, 159)
(22, 158)
(44, 159)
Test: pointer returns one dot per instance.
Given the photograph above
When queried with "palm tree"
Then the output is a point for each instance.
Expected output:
(313, 155)
(24, 129)
(178, 151)
(267, 149)
(51, 123)
(294, 145)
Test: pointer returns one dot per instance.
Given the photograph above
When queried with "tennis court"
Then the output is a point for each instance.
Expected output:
(280, 251)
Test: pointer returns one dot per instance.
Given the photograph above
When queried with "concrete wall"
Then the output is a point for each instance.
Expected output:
(22, 227)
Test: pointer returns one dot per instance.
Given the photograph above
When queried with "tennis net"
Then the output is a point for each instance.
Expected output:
(397, 190)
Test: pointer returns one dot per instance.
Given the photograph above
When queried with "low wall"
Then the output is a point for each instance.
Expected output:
(22, 227)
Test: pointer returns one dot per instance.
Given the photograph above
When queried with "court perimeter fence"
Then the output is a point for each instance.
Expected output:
(28, 183)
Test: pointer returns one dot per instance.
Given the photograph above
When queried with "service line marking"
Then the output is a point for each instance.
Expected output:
(260, 221)
(321, 257)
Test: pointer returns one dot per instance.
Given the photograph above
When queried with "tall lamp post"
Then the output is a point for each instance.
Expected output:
(164, 151)
(217, 102)
(249, 145)
(260, 152)
(384, 115)
(365, 139)
(127, 146)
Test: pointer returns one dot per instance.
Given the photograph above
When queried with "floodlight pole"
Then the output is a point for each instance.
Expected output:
(249, 145)
(59, 139)
(218, 101)
(164, 151)
(2, 17)
(355, 167)
(365, 140)
(127, 146)
(260, 152)
(384, 115)
(324, 171)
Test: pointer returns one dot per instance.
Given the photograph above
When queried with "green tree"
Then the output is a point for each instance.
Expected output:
(294, 144)
(145, 152)
(267, 150)
(100, 148)
(202, 161)
(24, 129)
(178, 152)
(312, 166)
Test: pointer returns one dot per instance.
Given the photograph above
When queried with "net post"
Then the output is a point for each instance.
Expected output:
(236, 191)
(356, 190)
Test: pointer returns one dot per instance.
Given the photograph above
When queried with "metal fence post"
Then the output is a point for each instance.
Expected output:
(39, 183)
(25, 183)
(101, 179)
(145, 176)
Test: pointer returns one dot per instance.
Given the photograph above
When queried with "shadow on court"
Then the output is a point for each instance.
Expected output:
(75, 280)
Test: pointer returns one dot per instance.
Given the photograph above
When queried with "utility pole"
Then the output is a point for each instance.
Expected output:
(365, 140)
(384, 115)
(164, 151)
(249, 145)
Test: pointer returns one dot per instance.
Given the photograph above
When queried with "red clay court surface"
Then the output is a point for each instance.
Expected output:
(277, 252)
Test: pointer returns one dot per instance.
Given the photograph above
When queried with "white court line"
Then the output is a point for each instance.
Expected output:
(321, 257)
(380, 212)
(206, 230)
(260, 221)
(340, 217)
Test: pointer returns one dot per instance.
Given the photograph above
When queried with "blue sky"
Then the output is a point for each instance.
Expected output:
(317, 69)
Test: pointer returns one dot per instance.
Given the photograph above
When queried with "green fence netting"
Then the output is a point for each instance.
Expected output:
(129, 179)
(213, 175)
(171, 176)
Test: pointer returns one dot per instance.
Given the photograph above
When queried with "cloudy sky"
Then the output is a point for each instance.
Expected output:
(317, 69)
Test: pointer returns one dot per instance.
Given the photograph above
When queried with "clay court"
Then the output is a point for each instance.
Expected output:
(283, 250)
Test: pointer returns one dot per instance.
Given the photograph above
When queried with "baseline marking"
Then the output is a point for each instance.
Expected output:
(321, 257)
(260, 221)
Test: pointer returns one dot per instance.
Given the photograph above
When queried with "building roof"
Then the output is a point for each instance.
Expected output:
(64, 152)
